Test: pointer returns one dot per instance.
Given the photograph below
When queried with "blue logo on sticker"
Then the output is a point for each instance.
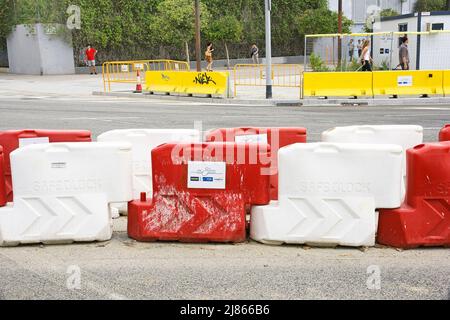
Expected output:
(208, 179)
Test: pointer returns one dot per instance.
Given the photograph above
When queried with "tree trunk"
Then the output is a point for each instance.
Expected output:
(188, 59)
(228, 56)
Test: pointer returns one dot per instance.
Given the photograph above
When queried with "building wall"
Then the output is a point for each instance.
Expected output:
(357, 10)
(23, 51)
(435, 48)
(32, 51)
(384, 42)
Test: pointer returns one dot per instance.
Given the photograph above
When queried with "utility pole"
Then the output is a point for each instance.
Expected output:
(198, 48)
(268, 8)
(340, 31)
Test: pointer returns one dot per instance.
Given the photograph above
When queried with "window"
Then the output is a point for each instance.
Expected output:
(437, 26)
(403, 27)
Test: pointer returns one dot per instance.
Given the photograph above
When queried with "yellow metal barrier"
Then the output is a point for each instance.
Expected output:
(337, 84)
(188, 82)
(254, 75)
(395, 83)
(126, 71)
(446, 82)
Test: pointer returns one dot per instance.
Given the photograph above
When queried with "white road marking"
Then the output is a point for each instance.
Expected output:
(99, 118)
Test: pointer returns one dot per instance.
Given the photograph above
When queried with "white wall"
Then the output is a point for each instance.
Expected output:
(347, 7)
(435, 48)
(38, 53)
(384, 42)
(24, 55)
(356, 10)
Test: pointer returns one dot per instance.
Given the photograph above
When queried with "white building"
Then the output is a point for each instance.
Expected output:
(360, 10)
(434, 48)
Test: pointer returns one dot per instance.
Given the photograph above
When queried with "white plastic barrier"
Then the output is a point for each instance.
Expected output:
(143, 141)
(63, 192)
(407, 136)
(328, 194)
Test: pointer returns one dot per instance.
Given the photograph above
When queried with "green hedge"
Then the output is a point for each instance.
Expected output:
(134, 29)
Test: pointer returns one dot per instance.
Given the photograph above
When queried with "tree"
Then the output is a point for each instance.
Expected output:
(137, 29)
(322, 21)
(5, 20)
(227, 29)
(388, 13)
(173, 22)
(429, 5)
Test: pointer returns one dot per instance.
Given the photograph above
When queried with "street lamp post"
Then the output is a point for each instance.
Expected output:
(340, 32)
(268, 8)
(197, 36)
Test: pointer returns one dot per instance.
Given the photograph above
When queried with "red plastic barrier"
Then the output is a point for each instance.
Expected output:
(276, 137)
(2, 180)
(424, 219)
(444, 135)
(188, 213)
(11, 140)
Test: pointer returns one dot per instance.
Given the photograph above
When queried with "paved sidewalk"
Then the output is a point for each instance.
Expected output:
(87, 86)
(65, 85)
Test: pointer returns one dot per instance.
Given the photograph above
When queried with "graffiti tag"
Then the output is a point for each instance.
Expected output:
(203, 78)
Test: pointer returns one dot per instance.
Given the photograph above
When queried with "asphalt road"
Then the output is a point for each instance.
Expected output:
(102, 114)
(125, 269)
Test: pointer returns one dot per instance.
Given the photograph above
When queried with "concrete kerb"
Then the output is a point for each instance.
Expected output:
(443, 101)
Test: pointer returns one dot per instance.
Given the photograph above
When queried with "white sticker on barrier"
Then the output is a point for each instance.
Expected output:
(252, 138)
(23, 142)
(124, 68)
(405, 81)
(138, 66)
(328, 194)
(206, 175)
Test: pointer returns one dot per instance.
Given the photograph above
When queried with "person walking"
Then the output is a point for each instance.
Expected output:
(351, 49)
(91, 53)
(255, 54)
(404, 53)
(209, 56)
(359, 47)
(366, 58)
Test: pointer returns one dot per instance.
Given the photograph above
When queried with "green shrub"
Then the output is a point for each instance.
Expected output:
(317, 64)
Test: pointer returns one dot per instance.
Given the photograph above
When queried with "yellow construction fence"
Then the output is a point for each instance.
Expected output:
(126, 71)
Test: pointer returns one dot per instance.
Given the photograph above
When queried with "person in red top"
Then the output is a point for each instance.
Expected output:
(90, 57)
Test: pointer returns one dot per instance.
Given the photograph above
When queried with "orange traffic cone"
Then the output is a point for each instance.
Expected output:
(139, 82)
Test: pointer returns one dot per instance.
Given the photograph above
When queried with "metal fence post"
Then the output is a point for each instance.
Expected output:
(419, 29)
(305, 53)
(390, 52)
